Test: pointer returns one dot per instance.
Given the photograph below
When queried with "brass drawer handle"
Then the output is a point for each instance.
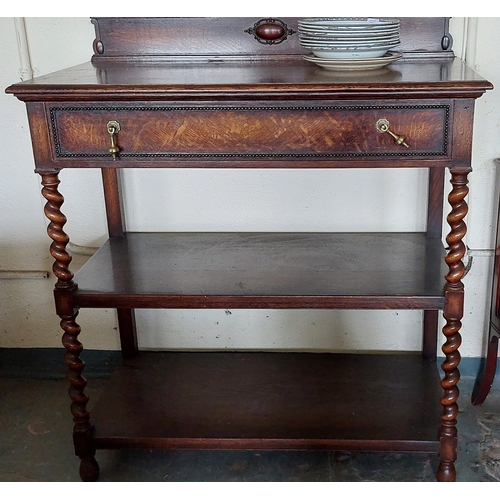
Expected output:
(383, 126)
(113, 128)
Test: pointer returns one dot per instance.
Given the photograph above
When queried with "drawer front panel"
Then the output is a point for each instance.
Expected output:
(250, 132)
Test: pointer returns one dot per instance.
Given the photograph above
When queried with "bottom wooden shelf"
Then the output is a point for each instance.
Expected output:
(269, 400)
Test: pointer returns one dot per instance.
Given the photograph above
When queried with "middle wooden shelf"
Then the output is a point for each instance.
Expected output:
(265, 270)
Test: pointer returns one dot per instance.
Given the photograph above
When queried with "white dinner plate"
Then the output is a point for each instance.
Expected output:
(347, 23)
(354, 64)
(348, 41)
(336, 39)
(352, 53)
(384, 43)
(348, 31)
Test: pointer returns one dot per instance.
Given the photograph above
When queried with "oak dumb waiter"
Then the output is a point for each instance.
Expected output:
(237, 93)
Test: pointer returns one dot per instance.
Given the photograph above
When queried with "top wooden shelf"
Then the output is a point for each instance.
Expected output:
(234, 38)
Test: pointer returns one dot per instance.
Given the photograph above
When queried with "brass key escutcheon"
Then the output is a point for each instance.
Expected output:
(113, 128)
(383, 126)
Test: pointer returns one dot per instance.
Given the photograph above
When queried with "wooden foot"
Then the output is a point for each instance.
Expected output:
(89, 469)
(446, 472)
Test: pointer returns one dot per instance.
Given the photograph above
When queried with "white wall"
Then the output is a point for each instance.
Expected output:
(226, 200)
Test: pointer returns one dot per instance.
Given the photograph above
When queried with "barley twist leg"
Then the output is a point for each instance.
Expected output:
(453, 313)
(64, 289)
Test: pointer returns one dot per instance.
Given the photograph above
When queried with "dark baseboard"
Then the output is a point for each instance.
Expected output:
(48, 363)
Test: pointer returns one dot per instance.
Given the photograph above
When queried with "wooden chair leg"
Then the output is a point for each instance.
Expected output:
(487, 374)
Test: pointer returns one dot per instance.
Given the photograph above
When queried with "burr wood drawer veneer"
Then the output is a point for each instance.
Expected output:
(251, 130)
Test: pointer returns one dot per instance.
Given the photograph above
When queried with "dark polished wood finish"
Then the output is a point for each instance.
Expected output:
(205, 93)
(263, 400)
(229, 37)
(266, 270)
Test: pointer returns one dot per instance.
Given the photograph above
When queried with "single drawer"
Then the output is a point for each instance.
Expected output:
(252, 131)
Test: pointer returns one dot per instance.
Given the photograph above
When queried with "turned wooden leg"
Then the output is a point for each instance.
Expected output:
(82, 429)
(448, 429)
(453, 313)
(63, 294)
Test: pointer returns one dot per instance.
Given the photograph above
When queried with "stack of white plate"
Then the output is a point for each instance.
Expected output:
(337, 42)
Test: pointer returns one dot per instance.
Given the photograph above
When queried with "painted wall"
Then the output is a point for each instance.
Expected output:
(229, 200)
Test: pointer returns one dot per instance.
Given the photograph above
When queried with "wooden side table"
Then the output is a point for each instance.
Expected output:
(225, 92)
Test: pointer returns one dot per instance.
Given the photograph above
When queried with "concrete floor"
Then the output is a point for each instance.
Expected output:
(36, 446)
